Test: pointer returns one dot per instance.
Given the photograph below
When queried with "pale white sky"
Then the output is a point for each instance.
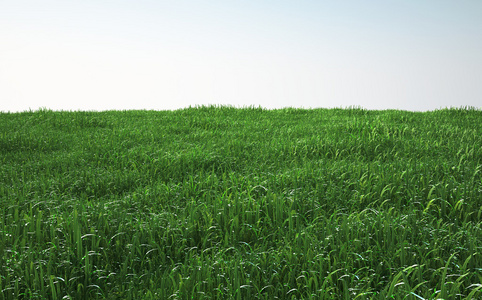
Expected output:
(146, 54)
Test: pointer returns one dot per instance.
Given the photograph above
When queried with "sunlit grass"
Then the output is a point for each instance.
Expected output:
(226, 203)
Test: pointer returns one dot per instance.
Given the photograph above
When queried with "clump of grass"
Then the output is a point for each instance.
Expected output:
(226, 203)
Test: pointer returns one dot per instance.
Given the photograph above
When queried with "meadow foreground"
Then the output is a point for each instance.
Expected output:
(227, 203)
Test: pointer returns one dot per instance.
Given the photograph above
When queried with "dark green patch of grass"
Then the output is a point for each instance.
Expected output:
(226, 203)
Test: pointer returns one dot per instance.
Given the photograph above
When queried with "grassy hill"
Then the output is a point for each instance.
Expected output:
(227, 203)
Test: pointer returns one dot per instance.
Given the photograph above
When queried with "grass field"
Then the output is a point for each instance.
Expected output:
(230, 203)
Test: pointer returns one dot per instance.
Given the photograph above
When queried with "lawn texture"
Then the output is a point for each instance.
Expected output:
(217, 202)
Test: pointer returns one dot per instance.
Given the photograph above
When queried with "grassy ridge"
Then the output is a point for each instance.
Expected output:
(226, 203)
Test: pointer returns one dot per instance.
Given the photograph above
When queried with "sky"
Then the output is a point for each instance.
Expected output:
(416, 55)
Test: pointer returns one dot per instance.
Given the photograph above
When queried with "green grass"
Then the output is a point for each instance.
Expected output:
(227, 203)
